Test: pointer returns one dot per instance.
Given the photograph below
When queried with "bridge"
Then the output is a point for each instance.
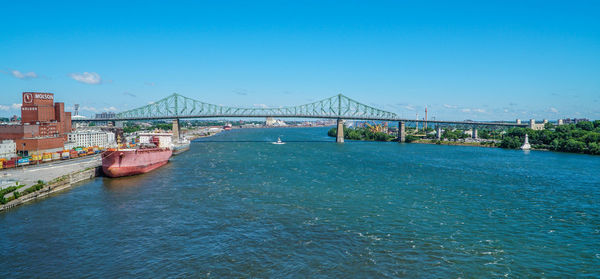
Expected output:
(340, 107)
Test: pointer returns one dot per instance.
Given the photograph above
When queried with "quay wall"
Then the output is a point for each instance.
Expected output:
(57, 185)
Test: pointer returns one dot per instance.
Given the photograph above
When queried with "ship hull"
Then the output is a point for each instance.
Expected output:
(128, 162)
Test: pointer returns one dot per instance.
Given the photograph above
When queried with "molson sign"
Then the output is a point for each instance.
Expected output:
(35, 98)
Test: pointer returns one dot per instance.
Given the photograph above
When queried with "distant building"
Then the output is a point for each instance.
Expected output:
(43, 126)
(88, 138)
(271, 122)
(574, 120)
(8, 149)
(105, 115)
(534, 126)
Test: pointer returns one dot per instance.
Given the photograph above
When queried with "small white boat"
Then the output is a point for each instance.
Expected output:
(279, 141)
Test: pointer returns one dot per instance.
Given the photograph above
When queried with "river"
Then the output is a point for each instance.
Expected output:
(236, 205)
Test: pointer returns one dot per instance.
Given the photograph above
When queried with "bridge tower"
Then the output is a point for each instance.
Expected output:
(176, 134)
(401, 132)
(439, 132)
(340, 131)
(474, 133)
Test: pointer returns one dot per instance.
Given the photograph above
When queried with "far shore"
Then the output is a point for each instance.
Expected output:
(474, 144)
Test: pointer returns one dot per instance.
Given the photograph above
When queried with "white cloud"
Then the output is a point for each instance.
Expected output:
(20, 75)
(88, 108)
(478, 110)
(553, 109)
(409, 107)
(450, 106)
(10, 107)
(85, 77)
(260, 106)
(505, 110)
(110, 109)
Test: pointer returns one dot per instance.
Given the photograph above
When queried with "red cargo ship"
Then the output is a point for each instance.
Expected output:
(124, 162)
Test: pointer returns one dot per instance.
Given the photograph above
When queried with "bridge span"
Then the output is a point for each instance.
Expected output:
(340, 107)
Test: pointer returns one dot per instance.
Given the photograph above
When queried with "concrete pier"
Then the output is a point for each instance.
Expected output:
(340, 131)
(175, 129)
(401, 132)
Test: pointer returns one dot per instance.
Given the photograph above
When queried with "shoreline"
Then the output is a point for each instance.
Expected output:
(72, 173)
(450, 143)
(59, 184)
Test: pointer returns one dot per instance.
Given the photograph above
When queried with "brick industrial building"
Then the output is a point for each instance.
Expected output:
(44, 124)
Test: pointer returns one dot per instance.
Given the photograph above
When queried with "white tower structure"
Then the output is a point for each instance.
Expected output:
(526, 145)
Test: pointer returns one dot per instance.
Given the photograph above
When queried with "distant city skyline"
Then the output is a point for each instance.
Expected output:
(463, 60)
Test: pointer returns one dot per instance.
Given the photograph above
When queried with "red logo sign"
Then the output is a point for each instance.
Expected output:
(27, 98)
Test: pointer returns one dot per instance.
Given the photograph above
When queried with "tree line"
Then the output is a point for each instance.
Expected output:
(583, 137)
(361, 134)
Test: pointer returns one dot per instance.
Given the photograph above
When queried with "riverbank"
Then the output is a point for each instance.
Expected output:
(458, 143)
(30, 175)
(58, 184)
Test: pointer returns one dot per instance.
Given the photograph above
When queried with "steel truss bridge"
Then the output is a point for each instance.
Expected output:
(338, 107)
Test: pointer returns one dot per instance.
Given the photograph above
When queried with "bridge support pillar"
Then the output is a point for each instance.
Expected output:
(474, 134)
(175, 129)
(340, 131)
(438, 132)
(401, 132)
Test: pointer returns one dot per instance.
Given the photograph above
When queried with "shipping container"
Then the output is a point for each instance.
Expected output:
(47, 157)
(1, 165)
(55, 156)
(9, 164)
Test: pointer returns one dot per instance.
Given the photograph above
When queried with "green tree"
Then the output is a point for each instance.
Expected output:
(410, 138)
(574, 146)
(585, 125)
(594, 148)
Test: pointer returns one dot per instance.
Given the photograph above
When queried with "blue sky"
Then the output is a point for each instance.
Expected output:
(480, 60)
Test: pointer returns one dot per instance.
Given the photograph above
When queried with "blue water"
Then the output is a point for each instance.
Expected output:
(237, 206)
